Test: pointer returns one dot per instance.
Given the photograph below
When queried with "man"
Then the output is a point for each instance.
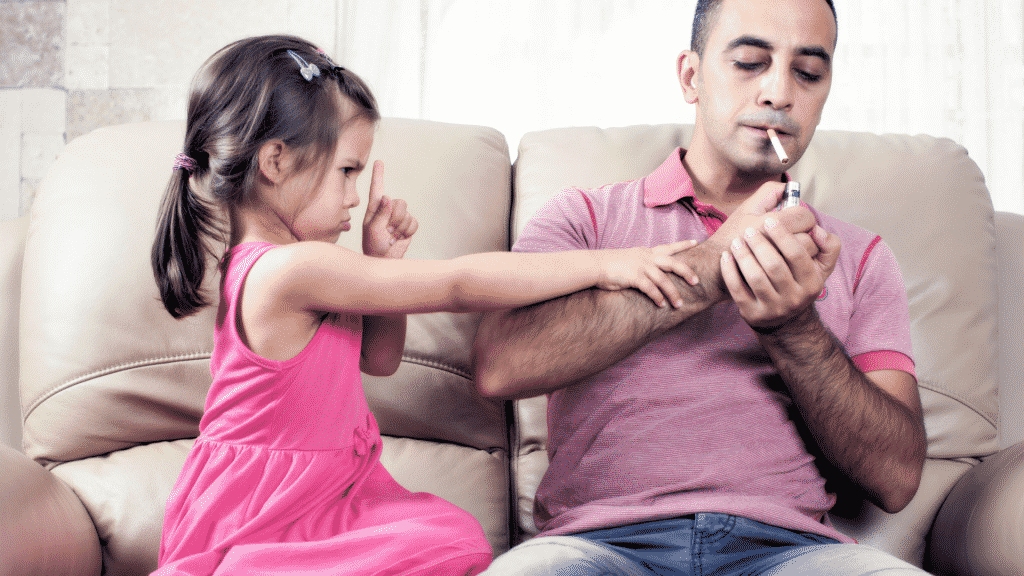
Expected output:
(683, 440)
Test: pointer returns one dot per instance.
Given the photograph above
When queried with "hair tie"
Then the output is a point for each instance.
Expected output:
(328, 58)
(186, 162)
(308, 70)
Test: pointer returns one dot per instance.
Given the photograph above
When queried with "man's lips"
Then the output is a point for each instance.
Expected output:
(764, 130)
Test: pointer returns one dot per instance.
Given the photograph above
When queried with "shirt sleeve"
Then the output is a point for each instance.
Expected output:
(879, 336)
(566, 222)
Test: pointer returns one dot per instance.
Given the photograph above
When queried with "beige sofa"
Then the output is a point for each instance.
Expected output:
(111, 388)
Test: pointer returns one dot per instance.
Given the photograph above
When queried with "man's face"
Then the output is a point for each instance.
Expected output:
(766, 64)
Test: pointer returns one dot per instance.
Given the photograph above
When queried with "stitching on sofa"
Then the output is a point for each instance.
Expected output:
(198, 356)
(439, 365)
(948, 394)
(111, 370)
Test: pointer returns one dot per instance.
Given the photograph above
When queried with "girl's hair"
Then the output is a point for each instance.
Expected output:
(246, 94)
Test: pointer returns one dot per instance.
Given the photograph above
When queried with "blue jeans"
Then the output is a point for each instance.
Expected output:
(701, 545)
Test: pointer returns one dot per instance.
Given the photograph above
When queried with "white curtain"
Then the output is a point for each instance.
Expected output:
(950, 68)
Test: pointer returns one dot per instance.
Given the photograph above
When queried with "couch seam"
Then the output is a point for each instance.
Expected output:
(190, 356)
(438, 365)
(513, 436)
(959, 399)
(196, 356)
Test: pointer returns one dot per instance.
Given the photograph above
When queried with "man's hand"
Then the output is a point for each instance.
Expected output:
(771, 277)
(870, 428)
(753, 212)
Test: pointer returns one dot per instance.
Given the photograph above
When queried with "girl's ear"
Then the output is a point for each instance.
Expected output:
(274, 160)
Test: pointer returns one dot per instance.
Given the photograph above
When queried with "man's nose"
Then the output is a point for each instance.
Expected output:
(777, 87)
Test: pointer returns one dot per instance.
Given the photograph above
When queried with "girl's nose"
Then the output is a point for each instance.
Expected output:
(351, 197)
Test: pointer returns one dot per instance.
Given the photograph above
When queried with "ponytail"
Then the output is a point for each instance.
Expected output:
(180, 249)
(248, 93)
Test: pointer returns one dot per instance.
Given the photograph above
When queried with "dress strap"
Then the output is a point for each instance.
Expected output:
(239, 260)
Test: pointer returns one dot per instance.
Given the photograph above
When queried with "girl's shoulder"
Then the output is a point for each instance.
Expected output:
(298, 267)
(279, 311)
(283, 262)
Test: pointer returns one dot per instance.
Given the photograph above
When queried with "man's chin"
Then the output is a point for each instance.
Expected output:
(762, 169)
(760, 161)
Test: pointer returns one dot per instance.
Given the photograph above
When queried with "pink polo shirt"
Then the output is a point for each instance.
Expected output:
(698, 420)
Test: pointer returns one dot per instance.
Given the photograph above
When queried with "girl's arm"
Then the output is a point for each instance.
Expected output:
(318, 276)
(387, 231)
(323, 277)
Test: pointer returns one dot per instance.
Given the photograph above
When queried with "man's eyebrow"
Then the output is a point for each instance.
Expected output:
(756, 42)
(816, 51)
(747, 40)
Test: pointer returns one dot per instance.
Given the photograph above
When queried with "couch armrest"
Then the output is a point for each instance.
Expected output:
(46, 529)
(1010, 257)
(12, 251)
(979, 530)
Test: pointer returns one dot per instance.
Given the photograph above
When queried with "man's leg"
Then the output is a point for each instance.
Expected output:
(726, 545)
(562, 556)
(843, 560)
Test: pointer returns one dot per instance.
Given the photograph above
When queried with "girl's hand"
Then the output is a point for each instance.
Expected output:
(645, 269)
(387, 226)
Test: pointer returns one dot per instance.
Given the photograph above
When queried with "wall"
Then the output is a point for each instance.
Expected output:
(32, 98)
(71, 66)
(950, 68)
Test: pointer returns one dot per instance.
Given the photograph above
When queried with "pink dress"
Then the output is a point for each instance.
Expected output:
(285, 477)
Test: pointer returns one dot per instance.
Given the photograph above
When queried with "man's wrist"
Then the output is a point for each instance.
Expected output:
(794, 325)
(705, 260)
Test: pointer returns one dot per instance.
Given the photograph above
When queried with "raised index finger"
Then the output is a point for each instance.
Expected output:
(376, 190)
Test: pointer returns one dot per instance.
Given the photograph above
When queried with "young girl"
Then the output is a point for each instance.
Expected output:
(285, 476)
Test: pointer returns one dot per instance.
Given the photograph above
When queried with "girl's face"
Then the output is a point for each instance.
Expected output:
(322, 213)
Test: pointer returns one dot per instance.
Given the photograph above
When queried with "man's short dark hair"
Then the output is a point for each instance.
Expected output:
(704, 20)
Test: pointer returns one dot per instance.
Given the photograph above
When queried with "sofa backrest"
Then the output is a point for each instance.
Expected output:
(110, 382)
(12, 249)
(924, 196)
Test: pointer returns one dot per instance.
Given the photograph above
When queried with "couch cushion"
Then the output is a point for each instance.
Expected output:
(103, 365)
(108, 376)
(927, 199)
(125, 491)
(923, 195)
(12, 249)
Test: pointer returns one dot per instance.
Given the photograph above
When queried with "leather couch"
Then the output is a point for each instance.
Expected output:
(103, 390)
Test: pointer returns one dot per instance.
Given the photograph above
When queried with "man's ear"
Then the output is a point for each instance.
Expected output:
(274, 159)
(687, 66)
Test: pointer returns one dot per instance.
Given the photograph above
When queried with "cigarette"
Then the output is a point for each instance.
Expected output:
(779, 150)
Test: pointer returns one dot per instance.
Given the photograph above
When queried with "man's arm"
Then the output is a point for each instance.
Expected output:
(546, 346)
(870, 427)
(537, 349)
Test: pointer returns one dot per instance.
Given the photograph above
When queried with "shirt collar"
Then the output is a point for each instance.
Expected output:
(670, 182)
